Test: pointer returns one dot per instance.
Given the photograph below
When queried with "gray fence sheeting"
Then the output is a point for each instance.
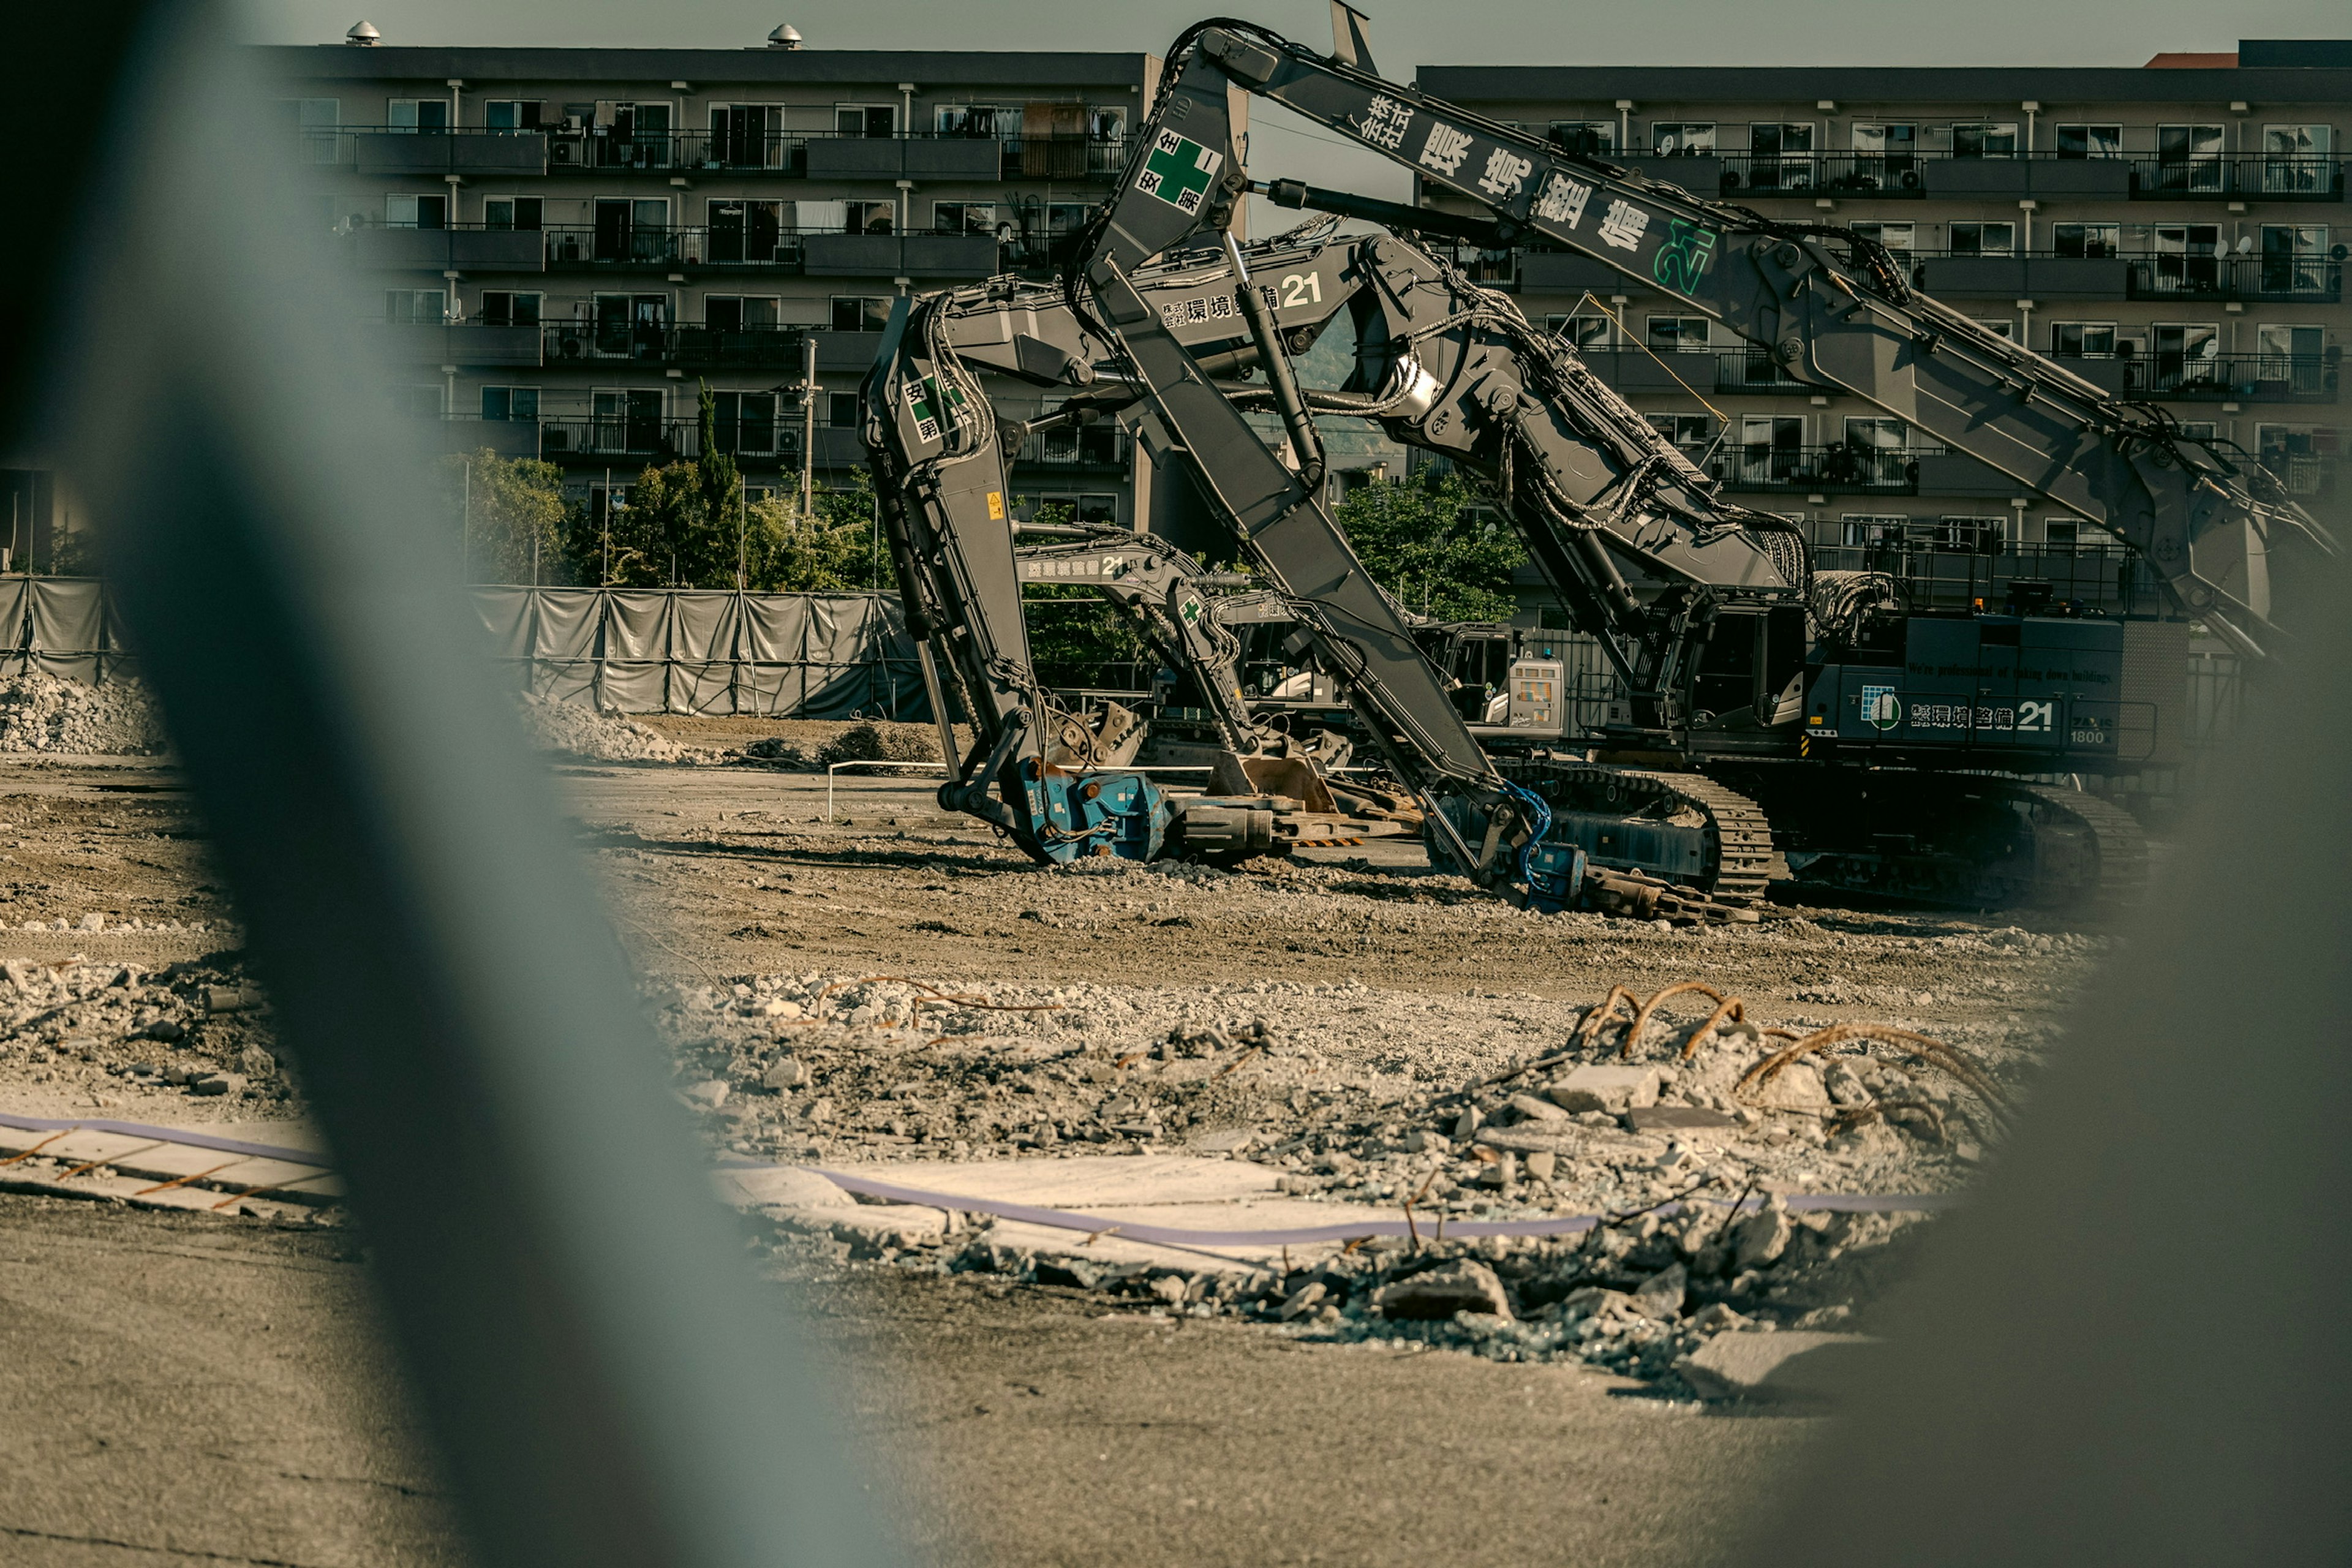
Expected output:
(654, 650)
(687, 651)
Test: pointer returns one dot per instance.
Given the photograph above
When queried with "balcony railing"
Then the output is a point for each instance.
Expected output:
(2313, 279)
(2256, 176)
(1867, 470)
(2234, 378)
(1934, 574)
(680, 343)
(824, 154)
(2307, 476)
(1086, 446)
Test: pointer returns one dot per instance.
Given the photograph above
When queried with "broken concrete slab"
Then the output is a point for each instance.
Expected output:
(1797, 1087)
(1794, 1363)
(1609, 1086)
(1684, 1123)
(1439, 1293)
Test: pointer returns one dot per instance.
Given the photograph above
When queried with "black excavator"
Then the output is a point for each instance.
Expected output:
(1747, 684)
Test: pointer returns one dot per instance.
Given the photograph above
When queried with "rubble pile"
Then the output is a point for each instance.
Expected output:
(577, 729)
(881, 742)
(116, 1034)
(1642, 1299)
(40, 712)
(1438, 1109)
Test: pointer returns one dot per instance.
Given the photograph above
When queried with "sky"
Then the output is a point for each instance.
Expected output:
(1405, 34)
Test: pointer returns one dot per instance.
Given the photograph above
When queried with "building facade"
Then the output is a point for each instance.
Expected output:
(569, 243)
(2174, 233)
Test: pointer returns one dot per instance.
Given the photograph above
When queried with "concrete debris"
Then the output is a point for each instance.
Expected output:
(40, 712)
(1606, 1087)
(112, 1033)
(1438, 1294)
(881, 742)
(577, 729)
(1308, 1083)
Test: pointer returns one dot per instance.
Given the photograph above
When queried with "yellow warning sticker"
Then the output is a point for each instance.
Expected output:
(996, 506)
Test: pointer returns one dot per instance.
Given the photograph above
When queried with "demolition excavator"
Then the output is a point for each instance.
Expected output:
(1868, 732)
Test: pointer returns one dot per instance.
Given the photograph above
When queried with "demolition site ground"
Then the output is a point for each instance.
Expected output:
(1342, 1037)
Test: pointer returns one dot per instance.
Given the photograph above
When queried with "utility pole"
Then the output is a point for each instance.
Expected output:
(743, 527)
(605, 573)
(809, 390)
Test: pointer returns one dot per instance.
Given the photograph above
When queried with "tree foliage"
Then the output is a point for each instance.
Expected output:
(1436, 543)
(514, 515)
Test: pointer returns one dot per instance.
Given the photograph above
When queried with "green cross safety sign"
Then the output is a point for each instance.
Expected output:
(1179, 171)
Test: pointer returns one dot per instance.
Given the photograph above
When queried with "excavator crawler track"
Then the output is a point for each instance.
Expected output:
(1717, 840)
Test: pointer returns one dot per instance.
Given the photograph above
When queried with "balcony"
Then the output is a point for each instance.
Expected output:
(462, 343)
(2234, 378)
(570, 247)
(457, 249)
(2042, 176)
(832, 155)
(2256, 177)
(2307, 476)
(682, 343)
(433, 152)
(900, 255)
(1855, 470)
(1084, 447)
(2299, 279)
(1753, 370)
(2027, 277)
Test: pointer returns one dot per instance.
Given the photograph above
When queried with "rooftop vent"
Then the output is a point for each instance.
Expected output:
(784, 37)
(363, 36)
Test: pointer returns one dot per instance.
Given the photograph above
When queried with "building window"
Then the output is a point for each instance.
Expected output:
(401, 211)
(2189, 157)
(866, 120)
(2090, 241)
(513, 212)
(1899, 239)
(1984, 139)
(313, 120)
(1587, 333)
(1678, 334)
(2187, 257)
(1867, 531)
(1781, 157)
(963, 217)
(511, 402)
(1586, 138)
(2296, 160)
(1106, 122)
(416, 307)
(627, 420)
(741, 313)
(420, 402)
(419, 114)
(1972, 535)
(2061, 533)
(1998, 326)
(745, 422)
(2090, 140)
(2082, 340)
(2302, 456)
(1984, 238)
(2295, 259)
(745, 232)
(1691, 137)
(1683, 429)
(841, 410)
(860, 313)
(504, 307)
(746, 135)
(981, 121)
(512, 114)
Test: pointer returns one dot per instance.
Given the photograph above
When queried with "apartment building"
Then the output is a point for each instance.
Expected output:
(2176, 232)
(569, 243)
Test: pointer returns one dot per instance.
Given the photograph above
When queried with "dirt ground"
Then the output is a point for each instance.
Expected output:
(1230, 1443)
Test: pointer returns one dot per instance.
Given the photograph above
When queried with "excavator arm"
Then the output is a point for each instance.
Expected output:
(1826, 302)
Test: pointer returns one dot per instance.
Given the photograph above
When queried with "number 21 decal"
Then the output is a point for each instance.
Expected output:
(2033, 716)
(1302, 289)
(1685, 255)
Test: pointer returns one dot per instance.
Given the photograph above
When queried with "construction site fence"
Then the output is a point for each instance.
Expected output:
(652, 650)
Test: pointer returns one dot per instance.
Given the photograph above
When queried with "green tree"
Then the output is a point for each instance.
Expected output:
(514, 516)
(1436, 543)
